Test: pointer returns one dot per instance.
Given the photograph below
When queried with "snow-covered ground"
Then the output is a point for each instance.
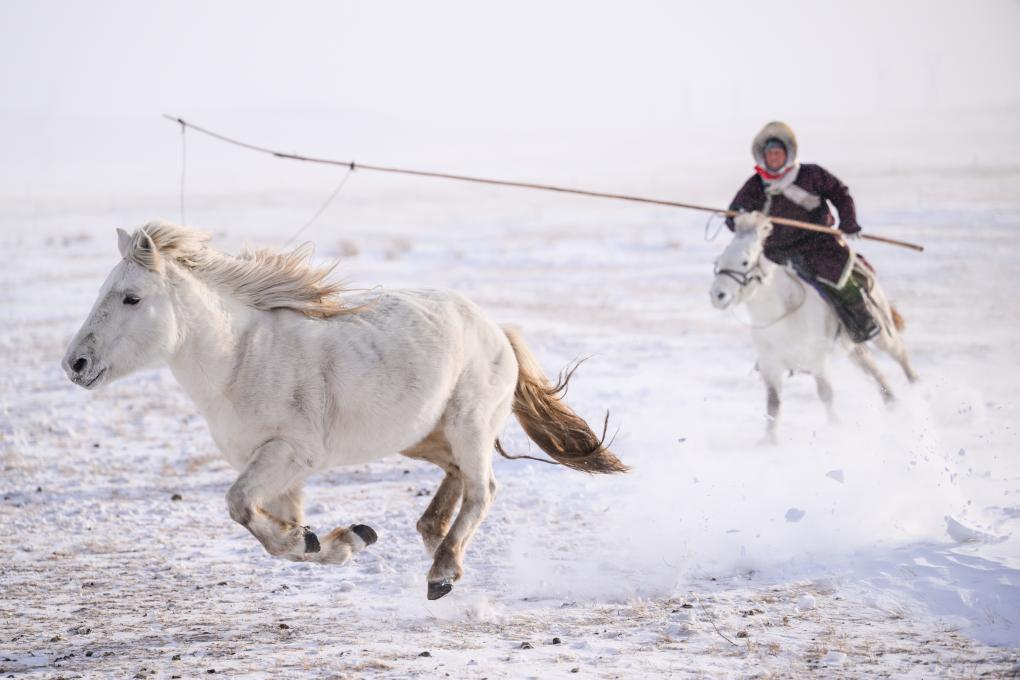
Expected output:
(886, 545)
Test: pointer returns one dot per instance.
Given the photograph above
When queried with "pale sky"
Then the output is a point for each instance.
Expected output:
(374, 77)
(510, 61)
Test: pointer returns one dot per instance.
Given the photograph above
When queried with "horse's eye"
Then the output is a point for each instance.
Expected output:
(131, 299)
(745, 263)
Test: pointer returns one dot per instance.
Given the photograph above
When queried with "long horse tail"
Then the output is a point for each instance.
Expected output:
(897, 319)
(549, 422)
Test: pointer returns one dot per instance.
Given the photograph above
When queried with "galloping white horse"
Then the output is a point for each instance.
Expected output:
(293, 380)
(793, 328)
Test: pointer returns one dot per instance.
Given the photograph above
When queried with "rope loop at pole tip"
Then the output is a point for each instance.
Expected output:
(708, 226)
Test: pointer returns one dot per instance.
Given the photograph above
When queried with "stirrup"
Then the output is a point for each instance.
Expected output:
(859, 322)
(861, 334)
(856, 317)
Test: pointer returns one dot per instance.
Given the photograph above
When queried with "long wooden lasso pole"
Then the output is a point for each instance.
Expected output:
(528, 185)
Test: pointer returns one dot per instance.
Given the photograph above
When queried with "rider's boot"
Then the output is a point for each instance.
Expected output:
(851, 306)
(849, 302)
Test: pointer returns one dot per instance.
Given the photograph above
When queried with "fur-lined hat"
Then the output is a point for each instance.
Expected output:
(778, 131)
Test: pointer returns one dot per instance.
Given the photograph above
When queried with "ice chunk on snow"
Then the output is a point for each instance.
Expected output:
(684, 616)
(836, 475)
(28, 660)
(679, 630)
(795, 514)
(834, 658)
(806, 602)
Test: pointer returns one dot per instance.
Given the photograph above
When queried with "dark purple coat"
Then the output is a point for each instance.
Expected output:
(823, 254)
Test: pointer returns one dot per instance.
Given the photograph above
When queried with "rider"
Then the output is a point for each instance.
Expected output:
(783, 187)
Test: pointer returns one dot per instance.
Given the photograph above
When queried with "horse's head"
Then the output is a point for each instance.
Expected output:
(132, 323)
(739, 271)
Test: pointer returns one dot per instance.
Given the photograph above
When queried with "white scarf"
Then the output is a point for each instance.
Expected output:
(785, 185)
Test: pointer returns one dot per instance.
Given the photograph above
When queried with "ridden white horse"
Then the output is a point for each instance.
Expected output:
(793, 328)
(294, 380)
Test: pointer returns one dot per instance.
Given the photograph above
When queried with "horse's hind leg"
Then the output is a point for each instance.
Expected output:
(862, 357)
(892, 343)
(890, 340)
(898, 351)
(435, 521)
(908, 368)
(471, 447)
(476, 412)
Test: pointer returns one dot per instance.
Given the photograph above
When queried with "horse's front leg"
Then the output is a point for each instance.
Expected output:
(773, 384)
(340, 544)
(266, 500)
(336, 547)
(289, 509)
(824, 387)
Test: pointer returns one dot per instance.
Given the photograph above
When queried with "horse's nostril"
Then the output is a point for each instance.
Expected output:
(79, 365)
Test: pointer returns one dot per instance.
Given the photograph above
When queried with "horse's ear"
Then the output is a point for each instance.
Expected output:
(143, 251)
(755, 221)
(748, 221)
(123, 242)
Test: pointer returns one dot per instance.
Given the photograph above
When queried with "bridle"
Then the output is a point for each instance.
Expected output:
(743, 278)
(755, 273)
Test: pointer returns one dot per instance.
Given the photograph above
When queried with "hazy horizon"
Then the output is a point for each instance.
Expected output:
(605, 91)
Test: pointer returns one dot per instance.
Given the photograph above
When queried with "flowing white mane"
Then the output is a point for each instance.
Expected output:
(264, 278)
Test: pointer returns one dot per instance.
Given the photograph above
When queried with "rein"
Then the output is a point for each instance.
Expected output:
(744, 279)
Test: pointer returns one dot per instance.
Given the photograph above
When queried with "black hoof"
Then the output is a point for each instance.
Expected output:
(365, 532)
(311, 541)
(439, 588)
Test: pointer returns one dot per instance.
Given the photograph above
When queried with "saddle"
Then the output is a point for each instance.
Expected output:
(852, 303)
